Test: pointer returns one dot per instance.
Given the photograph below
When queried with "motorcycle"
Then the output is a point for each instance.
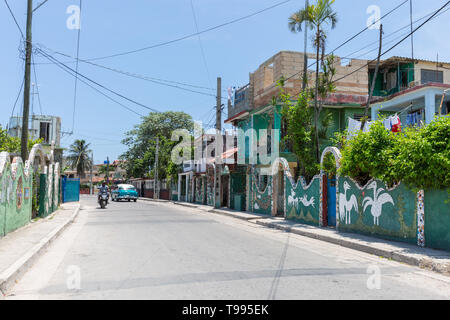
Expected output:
(103, 199)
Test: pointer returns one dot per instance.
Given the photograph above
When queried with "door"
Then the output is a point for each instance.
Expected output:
(225, 192)
(280, 201)
(331, 201)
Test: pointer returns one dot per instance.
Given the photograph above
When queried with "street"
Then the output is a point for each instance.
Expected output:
(149, 250)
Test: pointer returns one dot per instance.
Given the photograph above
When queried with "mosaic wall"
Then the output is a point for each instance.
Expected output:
(16, 189)
(302, 200)
(377, 210)
(260, 200)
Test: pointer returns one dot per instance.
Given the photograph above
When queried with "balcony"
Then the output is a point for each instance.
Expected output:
(242, 103)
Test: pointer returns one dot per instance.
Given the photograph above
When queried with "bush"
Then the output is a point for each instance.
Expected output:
(417, 157)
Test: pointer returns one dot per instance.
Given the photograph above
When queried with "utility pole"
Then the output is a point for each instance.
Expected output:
(372, 87)
(92, 165)
(156, 189)
(219, 142)
(305, 61)
(26, 92)
(107, 170)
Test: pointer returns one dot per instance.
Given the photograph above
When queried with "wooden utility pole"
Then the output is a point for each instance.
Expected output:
(26, 92)
(155, 188)
(372, 87)
(218, 143)
(219, 105)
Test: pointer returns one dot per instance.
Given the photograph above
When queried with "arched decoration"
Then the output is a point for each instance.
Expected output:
(37, 150)
(16, 163)
(337, 157)
(4, 161)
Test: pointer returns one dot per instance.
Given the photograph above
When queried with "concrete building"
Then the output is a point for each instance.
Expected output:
(415, 90)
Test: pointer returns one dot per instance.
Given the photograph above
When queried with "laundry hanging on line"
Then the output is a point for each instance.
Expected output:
(354, 126)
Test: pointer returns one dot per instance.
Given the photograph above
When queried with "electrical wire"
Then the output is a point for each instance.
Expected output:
(51, 58)
(200, 43)
(76, 70)
(138, 76)
(191, 35)
(15, 20)
(37, 87)
(60, 65)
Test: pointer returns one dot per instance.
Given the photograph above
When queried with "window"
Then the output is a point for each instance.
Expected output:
(431, 76)
(358, 117)
(44, 132)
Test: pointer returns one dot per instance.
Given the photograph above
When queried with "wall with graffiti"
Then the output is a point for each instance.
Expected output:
(375, 209)
(260, 193)
(16, 188)
(302, 200)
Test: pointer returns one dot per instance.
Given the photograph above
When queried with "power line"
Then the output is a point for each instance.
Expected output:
(18, 96)
(15, 20)
(354, 36)
(398, 43)
(37, 87)
(200, 43)
(51, 58)
(193, 34)
(40, 5)
(76, 71)
(58, 64)
(137, 76)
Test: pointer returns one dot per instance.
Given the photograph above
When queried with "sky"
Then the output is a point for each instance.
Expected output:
(233, 51)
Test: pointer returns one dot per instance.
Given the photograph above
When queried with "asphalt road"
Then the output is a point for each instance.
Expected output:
(148, 250)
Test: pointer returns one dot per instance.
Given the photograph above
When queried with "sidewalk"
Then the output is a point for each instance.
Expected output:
(19, 249)
(426, 258)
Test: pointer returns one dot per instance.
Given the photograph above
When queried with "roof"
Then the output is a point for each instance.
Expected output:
(396, 59)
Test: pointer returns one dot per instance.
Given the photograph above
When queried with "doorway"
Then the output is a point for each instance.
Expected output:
(225, 190)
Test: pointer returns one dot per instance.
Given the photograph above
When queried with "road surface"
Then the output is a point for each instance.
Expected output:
(149, 250)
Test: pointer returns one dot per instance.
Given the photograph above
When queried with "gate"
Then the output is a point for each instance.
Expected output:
(331, 201)
(70, 190)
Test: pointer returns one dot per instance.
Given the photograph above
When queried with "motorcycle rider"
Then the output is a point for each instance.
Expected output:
(102, 189)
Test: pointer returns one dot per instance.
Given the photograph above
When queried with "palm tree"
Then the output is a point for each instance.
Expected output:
(78, 157)
(316, 17)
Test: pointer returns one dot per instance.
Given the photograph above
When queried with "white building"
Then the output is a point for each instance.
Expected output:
(46, 127)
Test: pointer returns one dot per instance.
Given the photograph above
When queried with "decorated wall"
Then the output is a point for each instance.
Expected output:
(375, 209)
(260, 197)
(302, 200)
(16, 188)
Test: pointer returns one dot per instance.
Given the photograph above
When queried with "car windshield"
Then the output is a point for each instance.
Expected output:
(127, 188)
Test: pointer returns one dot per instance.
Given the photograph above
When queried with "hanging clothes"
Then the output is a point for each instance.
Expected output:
(396, 124)
(354, 126)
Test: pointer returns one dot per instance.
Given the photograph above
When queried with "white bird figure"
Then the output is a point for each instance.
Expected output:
(307, 202)
(345, 207)
(377, 202)
(292, 200)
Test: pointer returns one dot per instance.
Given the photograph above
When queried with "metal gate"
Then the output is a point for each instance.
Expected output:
(70, 190)
(331, 201)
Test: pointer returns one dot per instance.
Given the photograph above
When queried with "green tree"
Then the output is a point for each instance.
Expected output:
(79, 157)
(12, 144)
(317, 17)
(141, 143)
(301, 130)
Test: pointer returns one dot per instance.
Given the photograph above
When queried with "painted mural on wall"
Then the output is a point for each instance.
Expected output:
(377, 210)
(16, 189)
(302, 200)
(210, 186)
(260, 195)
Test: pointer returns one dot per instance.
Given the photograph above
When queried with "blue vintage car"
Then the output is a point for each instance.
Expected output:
(124, 192)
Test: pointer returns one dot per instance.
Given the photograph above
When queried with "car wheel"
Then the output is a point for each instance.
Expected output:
(135, 200)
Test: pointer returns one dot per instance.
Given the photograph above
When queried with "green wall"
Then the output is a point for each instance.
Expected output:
(397, 221)
(302, 201)
(437, 219)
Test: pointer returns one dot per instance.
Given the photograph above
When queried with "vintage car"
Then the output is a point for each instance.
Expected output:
(124, 192)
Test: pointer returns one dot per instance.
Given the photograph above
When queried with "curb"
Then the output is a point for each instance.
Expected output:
(237, 216)
(395, 255)
(9, 277)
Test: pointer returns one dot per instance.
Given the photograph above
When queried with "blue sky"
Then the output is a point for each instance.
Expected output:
(110, 27)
